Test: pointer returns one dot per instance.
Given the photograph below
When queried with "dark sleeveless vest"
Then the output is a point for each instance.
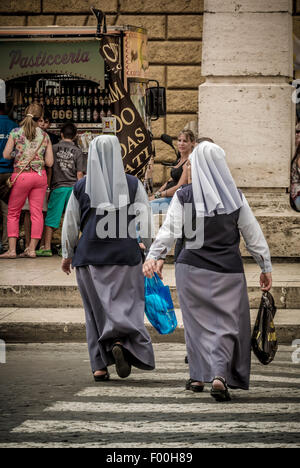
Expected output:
(220, 251)
(92, 250)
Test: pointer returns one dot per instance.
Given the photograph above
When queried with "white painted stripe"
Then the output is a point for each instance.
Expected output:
(153, 375)
(263, 369)
(113, 427)
(180, 392)
(134, 445)
(204, 408)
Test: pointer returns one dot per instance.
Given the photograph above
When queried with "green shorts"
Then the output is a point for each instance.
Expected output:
(57, 203)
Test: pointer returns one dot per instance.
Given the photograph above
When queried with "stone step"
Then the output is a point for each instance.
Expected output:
(41, 283)
(55, 296)
(38, 325)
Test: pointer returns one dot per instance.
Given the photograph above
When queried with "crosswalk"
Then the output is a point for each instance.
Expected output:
(154, 410)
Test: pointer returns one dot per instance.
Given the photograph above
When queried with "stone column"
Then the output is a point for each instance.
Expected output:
(246, 105)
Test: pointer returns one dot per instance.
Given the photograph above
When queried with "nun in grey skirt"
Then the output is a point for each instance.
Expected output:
(206, 217)
(108, 260)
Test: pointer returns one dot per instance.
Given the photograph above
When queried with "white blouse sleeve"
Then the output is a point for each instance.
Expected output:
(144, 214)
(255, 241)
(71, 227)
(170, 230)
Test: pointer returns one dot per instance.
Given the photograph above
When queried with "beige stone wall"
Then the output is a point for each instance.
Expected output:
(175, 46)
(175, 30)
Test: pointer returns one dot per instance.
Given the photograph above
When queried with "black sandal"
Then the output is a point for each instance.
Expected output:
(218, 394)
(194, 388)
(103, 377)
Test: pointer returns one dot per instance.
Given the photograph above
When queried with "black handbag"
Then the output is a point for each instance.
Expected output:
(264, 338)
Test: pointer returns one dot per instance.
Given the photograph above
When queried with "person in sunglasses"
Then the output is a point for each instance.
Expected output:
(33, 151)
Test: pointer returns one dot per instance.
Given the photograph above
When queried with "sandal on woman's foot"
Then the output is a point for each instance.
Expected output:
(8, 254)
(195, 388)
(43, 253)
(102, 377)
(28, 253)
(220, 394)
(123, 367)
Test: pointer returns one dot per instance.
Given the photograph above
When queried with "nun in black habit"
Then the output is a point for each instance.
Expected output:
(210, 277)
(108, 261)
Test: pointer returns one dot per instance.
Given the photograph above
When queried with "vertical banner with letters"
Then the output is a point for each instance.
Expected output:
(134, 137)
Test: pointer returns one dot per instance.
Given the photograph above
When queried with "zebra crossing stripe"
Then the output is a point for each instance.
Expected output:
(181, 367)
(151, 445)
(113, 427)
(179, 392)
(195, 407)
(153, 375)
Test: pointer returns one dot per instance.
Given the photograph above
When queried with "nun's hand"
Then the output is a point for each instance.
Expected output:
(66, 265)
(266, 281)
(159, 268)
(149, 268)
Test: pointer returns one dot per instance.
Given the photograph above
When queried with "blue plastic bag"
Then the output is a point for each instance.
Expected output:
(159, 307)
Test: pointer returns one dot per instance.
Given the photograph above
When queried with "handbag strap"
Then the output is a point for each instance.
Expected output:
(30, 160)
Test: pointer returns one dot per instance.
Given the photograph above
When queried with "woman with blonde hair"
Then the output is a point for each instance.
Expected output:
(32, 152)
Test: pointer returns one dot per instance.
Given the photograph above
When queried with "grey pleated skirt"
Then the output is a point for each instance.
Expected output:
(216, 316)
(113, 299)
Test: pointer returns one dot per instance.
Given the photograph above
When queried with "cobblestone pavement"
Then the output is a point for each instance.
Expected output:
(49, 399)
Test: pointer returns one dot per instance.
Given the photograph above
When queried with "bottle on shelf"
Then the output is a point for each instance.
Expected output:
(89, 112)
(61, 113)
(74, 97)
(102, 110)
(90, 97)
(62, 97)
(69, 110)
(30, 97)
(84, 97)
(75, 106)
(54, 110)
(25, 96)
(48, 96)
(82, 112)
(20, 108)
(15, 104)
(95, 107)
(106, 98)
(36, 95)
(78, 97)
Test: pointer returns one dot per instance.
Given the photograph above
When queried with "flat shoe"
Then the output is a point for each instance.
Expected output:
(103, 377)
(123, 368)
(8, 255)
(43, 253)
(194, 388)
(28, 254)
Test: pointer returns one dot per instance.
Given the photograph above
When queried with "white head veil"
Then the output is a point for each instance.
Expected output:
(106, 183)
(213, 186)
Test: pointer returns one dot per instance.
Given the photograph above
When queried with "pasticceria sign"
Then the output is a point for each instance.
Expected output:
(39, 57)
